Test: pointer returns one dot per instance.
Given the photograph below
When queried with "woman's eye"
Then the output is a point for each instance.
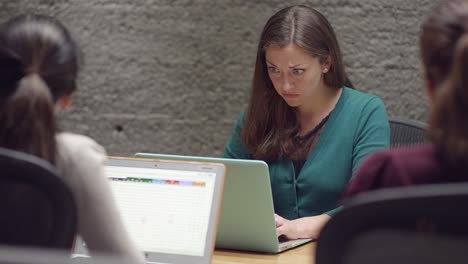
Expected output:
(298, 71)
(273, 69)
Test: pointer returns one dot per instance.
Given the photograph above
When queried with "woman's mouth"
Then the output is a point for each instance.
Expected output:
(290, 95)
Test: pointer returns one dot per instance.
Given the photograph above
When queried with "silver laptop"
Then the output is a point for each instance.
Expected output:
(170, 208)
(31, 255)
(247, 214)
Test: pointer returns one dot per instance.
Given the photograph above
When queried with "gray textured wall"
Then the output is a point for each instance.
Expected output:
(171, 76)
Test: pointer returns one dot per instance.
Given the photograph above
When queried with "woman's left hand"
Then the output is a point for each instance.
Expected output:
(306, 227)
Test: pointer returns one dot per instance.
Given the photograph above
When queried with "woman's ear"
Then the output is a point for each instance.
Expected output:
(327, 64)
(64, 102)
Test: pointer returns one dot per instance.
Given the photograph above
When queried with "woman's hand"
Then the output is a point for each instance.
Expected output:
(306, 227)
(287, 228)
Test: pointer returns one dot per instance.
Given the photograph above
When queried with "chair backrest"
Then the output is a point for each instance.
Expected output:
(407, 224)
(404, 132)
(37, 209)
(406, 247)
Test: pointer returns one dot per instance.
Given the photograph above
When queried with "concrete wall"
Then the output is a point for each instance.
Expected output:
(171, 76)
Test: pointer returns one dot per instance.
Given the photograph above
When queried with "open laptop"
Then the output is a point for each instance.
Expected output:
(247, 214)
(31, 255)
(170, 208)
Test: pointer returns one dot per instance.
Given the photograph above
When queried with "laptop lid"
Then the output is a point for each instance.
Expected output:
(31, 255)
(170, 208)
(247, 213)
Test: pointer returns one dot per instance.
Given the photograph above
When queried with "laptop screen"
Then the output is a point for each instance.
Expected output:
(164, 210)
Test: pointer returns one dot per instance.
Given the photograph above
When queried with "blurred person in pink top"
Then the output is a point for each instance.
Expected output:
(444, 53)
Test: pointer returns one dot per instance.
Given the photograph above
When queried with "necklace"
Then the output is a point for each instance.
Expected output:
(314, 131)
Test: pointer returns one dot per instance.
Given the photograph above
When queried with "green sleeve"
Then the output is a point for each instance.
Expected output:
(333, 212)
(235, 148)
(373, 132)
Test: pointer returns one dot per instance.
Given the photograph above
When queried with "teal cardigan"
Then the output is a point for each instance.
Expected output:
(357, 127)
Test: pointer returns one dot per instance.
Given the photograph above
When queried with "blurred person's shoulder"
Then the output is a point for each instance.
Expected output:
(414, 164)
(75, 144)
(410, 157)
(399, 167)
(74, 150)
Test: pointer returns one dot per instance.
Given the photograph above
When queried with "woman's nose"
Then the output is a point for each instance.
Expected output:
(287, 82)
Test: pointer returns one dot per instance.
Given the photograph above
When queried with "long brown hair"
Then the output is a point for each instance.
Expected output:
(38, 66)
(270, 124)
(444, 52)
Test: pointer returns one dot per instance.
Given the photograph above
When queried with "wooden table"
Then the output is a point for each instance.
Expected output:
(302, 254)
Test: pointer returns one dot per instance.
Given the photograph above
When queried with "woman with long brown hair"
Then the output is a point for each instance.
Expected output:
(444, 53)
(39, 63)
(306, 121)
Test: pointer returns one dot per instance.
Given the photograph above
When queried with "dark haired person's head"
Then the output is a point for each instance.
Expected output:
(444, 53)
(38, 70)
(296, 35)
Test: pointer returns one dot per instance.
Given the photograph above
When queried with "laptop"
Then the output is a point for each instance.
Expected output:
(32, 255)
(247, 214)
(169, 208)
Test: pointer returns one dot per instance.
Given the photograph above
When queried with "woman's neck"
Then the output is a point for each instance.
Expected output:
(312, 114)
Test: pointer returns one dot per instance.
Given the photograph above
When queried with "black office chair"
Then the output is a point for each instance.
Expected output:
(404, 132)
(420, 224)
(37, 209)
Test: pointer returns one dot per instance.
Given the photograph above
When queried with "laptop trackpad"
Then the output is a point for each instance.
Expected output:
(292, 243)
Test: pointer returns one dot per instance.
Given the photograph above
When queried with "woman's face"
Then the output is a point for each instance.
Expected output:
(296, 76)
